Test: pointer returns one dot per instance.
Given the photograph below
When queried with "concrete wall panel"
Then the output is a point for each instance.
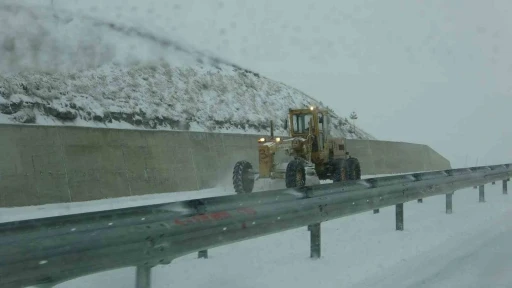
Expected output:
(42, 164)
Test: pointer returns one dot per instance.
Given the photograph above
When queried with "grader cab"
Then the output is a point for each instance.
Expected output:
(308, 153)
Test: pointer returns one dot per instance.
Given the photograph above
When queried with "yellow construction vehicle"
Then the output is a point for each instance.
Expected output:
(308, 152)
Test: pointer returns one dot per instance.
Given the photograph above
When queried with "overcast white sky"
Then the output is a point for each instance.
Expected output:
(431, 72)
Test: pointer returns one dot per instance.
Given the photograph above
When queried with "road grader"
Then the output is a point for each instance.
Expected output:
(309, 151)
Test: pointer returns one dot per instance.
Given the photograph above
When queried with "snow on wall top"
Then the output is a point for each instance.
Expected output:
(63, 69)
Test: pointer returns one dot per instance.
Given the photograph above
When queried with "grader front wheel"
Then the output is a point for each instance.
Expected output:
(243, 177)
(295, 174)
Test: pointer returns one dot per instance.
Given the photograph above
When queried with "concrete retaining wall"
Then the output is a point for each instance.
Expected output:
(386, 157)
(42, 164)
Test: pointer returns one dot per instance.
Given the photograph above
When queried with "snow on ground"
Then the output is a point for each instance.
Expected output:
(63, 68)
(481, 258)
(355, 249)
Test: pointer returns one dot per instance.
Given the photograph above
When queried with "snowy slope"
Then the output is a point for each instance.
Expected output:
(69, 69)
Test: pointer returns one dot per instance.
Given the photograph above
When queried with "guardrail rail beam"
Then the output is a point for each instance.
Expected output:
(39, 251)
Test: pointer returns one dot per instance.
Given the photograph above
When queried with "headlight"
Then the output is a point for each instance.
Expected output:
(278, 139)
(261, 140)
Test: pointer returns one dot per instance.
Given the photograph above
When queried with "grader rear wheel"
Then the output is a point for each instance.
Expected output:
(295, 174)
(347, 169)
(243, 177)
(354, 169)
(341, 171)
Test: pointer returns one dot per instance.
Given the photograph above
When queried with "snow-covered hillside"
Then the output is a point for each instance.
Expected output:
(69, 69)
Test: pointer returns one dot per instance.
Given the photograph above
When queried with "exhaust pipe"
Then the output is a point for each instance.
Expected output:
(271, 129)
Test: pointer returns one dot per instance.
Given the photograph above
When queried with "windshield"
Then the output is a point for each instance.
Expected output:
(301, 123)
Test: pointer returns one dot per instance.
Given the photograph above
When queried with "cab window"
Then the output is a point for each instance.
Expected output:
(301, 123)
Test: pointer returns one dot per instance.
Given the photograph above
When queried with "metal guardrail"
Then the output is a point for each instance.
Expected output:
(52, 250)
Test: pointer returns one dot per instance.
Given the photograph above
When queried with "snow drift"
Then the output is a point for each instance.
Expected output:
(59, 68)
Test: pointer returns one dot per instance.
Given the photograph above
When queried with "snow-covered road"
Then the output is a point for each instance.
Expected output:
(480, 259)
(467, 248)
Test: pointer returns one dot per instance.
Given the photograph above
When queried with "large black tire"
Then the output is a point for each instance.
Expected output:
(354, 169)
(341, 171)
(243, 180)
(295, 174)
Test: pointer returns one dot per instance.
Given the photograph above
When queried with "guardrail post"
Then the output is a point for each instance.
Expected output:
(481, 192)
(505, 190)
(449, 202)
(399, 211)
(420, 200)
(375, 211)
(143, 277)
(202, 254)
(315, 240)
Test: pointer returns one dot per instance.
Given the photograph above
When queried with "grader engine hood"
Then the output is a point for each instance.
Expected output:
(266, 159)
(273, 156)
